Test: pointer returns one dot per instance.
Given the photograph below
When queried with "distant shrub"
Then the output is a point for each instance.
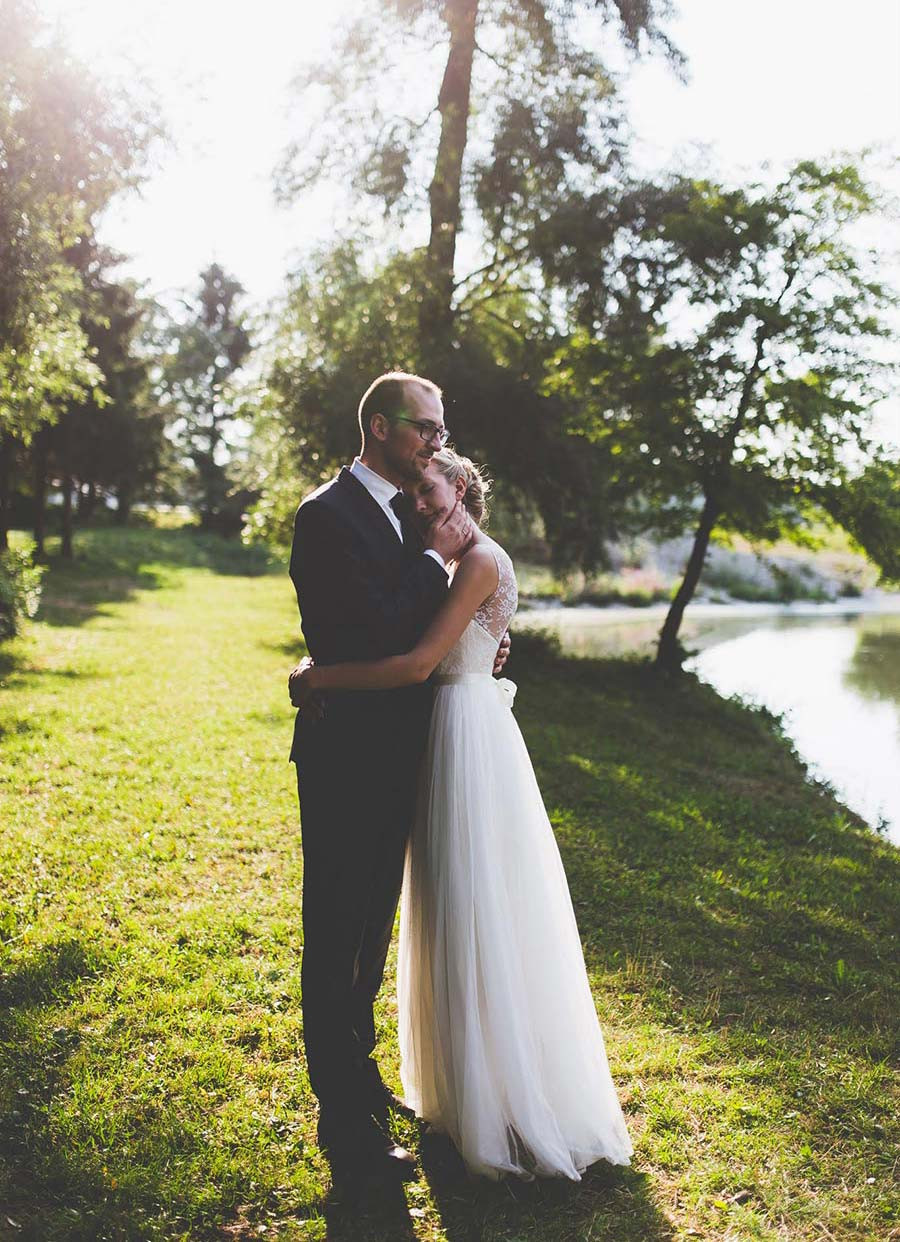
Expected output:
(535, 647)
(634, 599)
(773, 583)
(20, 587)
(270, 520)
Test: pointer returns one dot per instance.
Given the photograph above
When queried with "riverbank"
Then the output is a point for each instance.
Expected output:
(627, 631)
(739, 929)
(830, 672)
(536, 611)
(642, 571)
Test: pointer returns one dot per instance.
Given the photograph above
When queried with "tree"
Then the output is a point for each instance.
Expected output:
(120, 441)
(508, 107)
(867, 506)
(342, 326)
(202, 355)
(66, 147)
(111, 441)
(445, 112)
(728, 354)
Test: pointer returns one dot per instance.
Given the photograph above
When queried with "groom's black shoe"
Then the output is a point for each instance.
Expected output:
(359, 1149)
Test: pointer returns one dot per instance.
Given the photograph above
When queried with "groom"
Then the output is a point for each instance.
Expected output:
(367, 586)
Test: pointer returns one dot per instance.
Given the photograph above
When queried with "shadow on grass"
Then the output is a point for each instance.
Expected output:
(32, 1064)
(55, 1184)
(737, 898)
(608, 1204)
(372, 1214)
(110, 565)
(291, 649)
(605, 1206)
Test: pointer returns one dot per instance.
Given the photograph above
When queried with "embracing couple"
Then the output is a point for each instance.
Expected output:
(411, 768)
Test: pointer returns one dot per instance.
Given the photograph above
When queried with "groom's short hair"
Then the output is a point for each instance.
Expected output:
(387, 396)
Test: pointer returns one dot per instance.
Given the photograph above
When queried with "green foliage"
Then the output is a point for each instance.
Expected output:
(534, 61)
(272, 473)
(111, 441)
(344, 324)
(868, 507)
(755, 392)
(20, 587)
(727, 349)
(497, 110)
(49, 362)
(786, 587)
(66, 146)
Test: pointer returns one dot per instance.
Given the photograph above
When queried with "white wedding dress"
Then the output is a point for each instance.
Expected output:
(499, 1040)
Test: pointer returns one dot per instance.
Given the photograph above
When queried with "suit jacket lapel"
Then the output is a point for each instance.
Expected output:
(369, 513)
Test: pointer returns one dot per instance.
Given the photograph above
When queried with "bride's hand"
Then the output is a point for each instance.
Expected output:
(502, 653)
(302, 689)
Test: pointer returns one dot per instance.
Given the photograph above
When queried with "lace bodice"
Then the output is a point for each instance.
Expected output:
(477, 645)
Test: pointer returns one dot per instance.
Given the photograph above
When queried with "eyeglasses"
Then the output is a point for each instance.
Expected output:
(428, 431)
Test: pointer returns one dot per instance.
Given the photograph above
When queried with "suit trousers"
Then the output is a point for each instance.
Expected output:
(357, 777)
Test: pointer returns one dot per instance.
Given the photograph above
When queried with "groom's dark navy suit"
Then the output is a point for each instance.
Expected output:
(363, 594)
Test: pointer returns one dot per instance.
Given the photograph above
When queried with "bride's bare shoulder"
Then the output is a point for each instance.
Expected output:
(498, 552)
(480, 560)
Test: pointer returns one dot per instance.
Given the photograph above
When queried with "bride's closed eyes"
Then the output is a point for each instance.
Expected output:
(432, 499)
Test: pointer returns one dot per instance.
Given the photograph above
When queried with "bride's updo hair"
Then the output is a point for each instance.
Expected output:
(478, 486)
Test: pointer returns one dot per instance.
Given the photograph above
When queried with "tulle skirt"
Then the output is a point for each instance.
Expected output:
(499, 1039)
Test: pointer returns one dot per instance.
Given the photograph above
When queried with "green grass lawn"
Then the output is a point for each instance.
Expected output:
(738, 926)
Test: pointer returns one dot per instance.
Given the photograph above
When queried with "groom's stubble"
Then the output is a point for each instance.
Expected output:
(403, 456)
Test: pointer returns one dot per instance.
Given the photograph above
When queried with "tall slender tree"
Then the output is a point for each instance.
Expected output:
(202, 355)
(457, 105)
(110, 442)
(730, 354)
(468, 122)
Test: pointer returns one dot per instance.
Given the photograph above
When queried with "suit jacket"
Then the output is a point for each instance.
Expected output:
(362, 593)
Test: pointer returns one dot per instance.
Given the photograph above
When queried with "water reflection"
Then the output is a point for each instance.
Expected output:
(874, 669)
(835, 678)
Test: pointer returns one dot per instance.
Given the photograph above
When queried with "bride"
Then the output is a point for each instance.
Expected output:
(499, 1040)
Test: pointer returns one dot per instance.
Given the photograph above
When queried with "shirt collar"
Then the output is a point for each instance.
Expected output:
(378, 487)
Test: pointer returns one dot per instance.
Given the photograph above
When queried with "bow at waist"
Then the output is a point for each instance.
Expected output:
(506, 687)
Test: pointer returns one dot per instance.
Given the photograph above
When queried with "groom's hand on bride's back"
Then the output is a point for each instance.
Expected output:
(302, 696)
(502, 653)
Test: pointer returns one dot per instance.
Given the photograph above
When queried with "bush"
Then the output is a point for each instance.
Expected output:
(271, 519)
(20, 587)
(534, 646)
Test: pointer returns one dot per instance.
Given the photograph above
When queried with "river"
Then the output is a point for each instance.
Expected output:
(833, 671)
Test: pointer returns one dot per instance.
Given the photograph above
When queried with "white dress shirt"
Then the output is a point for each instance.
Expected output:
(383, 492)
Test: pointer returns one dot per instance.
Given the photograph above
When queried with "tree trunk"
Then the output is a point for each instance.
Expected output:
(123, 499)
(39, 454)
(668, 657)
(6, 451)
(436, 307)
(87, 501)
(211, 483)
(67, 488)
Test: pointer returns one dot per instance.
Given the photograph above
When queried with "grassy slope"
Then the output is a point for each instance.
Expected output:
(736, 927)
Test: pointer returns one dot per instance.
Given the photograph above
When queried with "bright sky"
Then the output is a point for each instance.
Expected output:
(770, 80)
(221, 70)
